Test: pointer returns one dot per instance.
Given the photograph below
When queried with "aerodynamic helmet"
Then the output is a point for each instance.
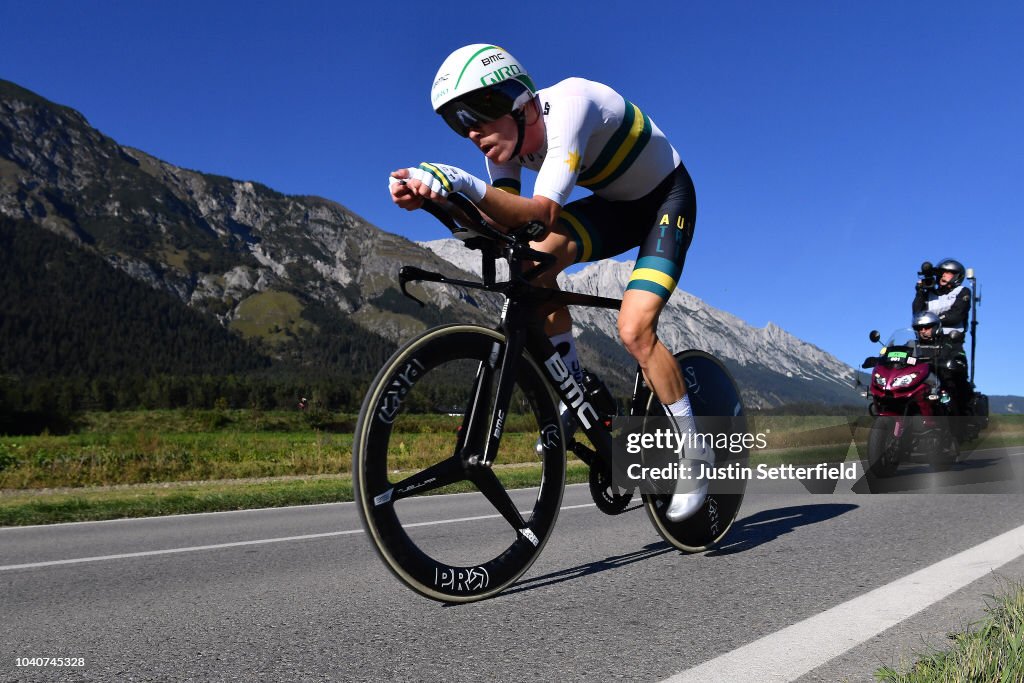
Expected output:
(480, 83)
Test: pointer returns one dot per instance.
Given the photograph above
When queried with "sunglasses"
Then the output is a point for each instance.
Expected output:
(484, 105)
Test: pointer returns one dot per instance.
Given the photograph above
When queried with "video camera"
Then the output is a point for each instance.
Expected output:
(926, 276)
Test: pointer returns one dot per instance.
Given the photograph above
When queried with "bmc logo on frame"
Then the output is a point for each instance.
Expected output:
(574, 392)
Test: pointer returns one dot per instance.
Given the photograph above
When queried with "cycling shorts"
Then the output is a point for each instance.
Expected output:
(660, 223)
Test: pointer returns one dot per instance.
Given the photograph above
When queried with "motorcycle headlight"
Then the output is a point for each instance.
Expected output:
(879, 380)
(904, 381)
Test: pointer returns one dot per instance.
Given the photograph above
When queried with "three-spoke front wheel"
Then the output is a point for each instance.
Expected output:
(422, 428)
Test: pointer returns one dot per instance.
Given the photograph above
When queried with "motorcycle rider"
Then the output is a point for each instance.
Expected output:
(574, 133)
(947, 358)
(928, 332)
(949, 299)
(927, 328)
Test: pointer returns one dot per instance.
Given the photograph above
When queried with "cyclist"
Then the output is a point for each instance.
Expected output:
(574, 133)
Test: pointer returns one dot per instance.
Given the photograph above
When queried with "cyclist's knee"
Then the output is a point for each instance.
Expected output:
(560, 245)
(637, 336)
(549, 277)
(638, 321)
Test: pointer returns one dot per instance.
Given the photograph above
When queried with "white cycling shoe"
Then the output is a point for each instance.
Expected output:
(685, 504)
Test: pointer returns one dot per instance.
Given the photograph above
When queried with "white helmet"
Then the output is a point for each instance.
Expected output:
(480, 83)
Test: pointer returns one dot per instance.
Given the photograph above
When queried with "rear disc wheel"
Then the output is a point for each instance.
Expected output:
(718, 410)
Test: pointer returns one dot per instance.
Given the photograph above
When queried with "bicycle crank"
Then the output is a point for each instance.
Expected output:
(606, 495)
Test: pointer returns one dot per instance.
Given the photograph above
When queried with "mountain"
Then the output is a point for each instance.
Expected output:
(291, 282)
(300, 277)
(212, 241)
(771, 366)
(1006, 405)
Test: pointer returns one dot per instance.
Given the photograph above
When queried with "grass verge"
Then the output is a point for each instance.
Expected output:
(992, 651)
(146, 463)
(153, 500)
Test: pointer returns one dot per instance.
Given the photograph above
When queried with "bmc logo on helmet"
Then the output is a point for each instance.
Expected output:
(502, 74)
(496, 57)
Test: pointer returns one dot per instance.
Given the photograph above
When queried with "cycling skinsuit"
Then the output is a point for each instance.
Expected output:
(642, 193)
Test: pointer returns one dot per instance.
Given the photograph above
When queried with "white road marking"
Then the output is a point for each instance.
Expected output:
(802, 647)
(237, 544)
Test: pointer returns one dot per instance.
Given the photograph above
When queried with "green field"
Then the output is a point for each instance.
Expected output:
(121, 464)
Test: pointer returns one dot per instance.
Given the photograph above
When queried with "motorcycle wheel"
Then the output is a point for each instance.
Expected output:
(883, 448)
(944, 457)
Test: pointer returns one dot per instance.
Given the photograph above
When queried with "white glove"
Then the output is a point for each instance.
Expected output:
(444, 179)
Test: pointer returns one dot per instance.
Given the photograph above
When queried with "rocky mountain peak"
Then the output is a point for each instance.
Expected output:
(688, 322)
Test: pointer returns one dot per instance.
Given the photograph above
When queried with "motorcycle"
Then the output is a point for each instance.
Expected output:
(917, 419)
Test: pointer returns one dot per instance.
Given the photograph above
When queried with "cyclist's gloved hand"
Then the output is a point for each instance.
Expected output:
(444, 179)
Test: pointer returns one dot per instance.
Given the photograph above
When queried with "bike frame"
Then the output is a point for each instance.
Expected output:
(522, 325)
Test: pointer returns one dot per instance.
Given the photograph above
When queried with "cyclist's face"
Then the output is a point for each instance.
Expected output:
(496, 139)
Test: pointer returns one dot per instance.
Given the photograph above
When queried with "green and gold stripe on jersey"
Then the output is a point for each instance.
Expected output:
(620, 152)
(587, 239)
(656, 275)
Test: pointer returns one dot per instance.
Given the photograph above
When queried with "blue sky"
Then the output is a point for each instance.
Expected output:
(834, 145)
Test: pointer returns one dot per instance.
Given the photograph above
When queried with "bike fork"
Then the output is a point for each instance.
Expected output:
(484, 422)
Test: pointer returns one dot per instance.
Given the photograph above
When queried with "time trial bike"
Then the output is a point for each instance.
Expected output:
(461, 403)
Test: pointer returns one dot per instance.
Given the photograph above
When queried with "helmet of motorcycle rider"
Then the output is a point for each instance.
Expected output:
(481, 83)
(953, 266)
(927, 326)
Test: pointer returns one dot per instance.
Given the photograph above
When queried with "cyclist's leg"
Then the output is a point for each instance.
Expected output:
(661, 224)
(657, 271)
(638, 321)
(637, 329)
(558, 322)
(559, 242)
(587, 229)
(666, 236)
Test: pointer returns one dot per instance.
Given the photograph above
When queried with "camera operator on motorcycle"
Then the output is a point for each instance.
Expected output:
(941, 291)
(575, 133)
